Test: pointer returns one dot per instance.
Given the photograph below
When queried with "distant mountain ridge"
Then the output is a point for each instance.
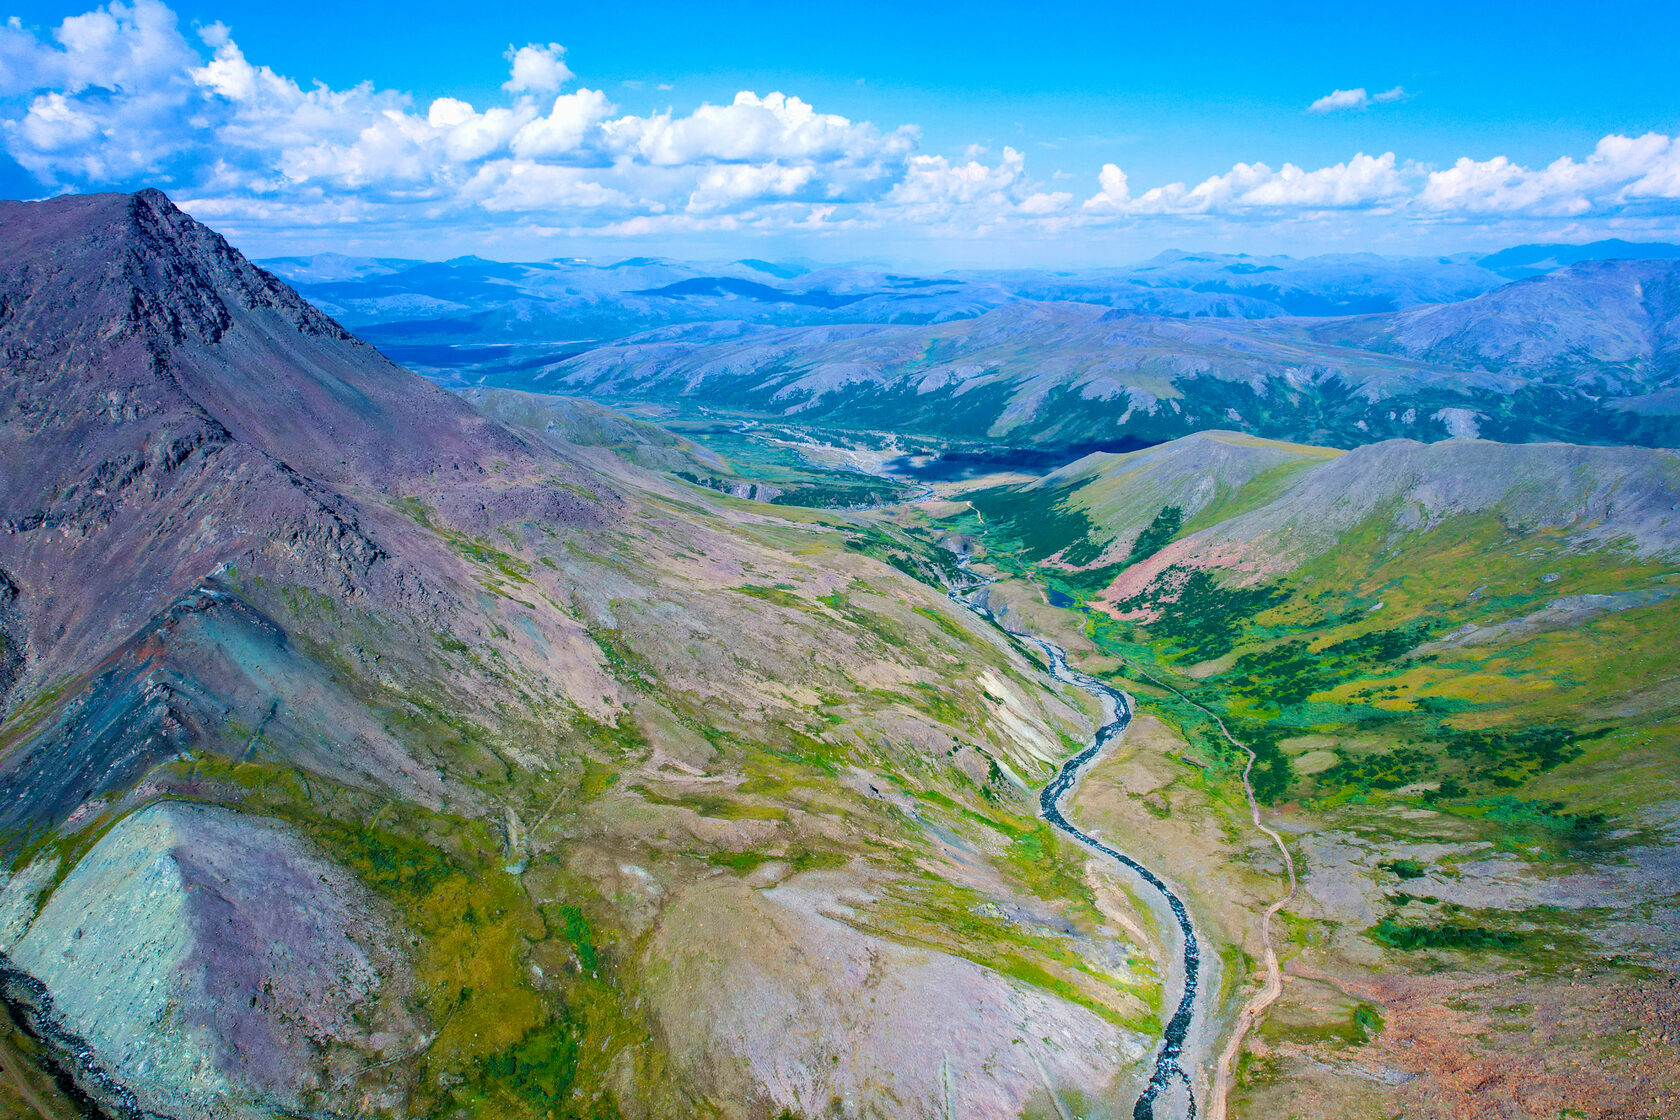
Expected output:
(1341, 349)
(407, 300)
(1587, 354)
(1614, 325)
(1522, 261)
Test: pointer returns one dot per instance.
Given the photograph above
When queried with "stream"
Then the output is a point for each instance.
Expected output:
(1118, 705)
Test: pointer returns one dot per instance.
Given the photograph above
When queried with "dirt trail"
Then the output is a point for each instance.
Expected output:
(1255, 1009)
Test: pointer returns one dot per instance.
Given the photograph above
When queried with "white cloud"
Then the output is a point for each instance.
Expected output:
(1362, 181)
(1041, 204)
(1115, 192)
(53, 125)
(753, 128)
(1622, 177)
(121, 95)
(1621, 173)
(729, 185)
(537, 69)
(105, 98)
(1341, 99)
(935, 190)
(564, 129)
(527, 187)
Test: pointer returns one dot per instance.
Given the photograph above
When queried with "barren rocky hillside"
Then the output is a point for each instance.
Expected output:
(365, 754)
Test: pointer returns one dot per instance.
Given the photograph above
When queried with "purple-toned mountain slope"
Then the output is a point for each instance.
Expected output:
(168, 407)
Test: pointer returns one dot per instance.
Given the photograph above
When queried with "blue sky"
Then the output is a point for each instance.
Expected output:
(920, 134)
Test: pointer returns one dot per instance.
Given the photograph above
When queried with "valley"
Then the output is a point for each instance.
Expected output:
(1380, 822)
(899, 562)
(1329, 738)
(1356, 820)
(379, 746)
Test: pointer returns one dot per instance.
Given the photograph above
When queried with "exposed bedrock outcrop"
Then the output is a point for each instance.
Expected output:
(206, 963)
(211, 672)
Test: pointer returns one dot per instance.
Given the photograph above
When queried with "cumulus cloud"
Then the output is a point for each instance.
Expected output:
(104, 98)
(751, 127)
(123, 96)
(1362, 181)
(537, 69)
(731, 184)
(566, 126)
(1622, 173)
(1622, 177)
(523, 186)
(1114, 193)
(935, 190)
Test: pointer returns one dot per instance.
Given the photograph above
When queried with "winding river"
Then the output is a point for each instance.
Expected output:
(1118, 707)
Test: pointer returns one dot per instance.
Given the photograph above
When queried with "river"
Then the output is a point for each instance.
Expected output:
(1167, 1070)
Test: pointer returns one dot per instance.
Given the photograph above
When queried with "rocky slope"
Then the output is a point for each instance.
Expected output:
(156, 377)
(1612, 327)
(572, 422)
(362, 753)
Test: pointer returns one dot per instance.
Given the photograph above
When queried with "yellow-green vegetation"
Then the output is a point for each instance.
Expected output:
(930, 911)
(1505, 677)
(1261, 489)
(497, 1046)
(1036, 857)
(1357, 1025)
(1355, 652)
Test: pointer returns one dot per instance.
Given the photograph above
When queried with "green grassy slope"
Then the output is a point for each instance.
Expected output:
(1509, 668)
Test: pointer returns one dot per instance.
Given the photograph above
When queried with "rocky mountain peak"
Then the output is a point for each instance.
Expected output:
(101, 270)
(164, 397)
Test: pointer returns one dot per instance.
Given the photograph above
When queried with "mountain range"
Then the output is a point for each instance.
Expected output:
(374, 746)
(1339, 350)
(1586, 354)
